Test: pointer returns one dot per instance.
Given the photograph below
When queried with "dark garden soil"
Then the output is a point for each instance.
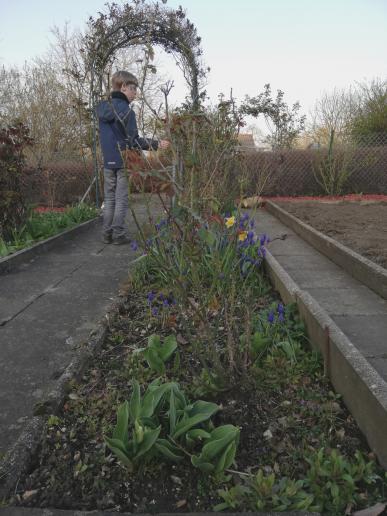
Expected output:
(362, 226)
(285, 412)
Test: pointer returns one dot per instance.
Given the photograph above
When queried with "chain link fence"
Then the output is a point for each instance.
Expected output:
(349, 167)
(61, 180)
(67, 178)
(346, 167)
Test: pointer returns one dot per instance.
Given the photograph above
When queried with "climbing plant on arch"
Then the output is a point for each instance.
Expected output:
(141, 23)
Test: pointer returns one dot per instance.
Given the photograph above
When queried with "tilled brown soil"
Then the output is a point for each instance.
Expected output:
(360, 226)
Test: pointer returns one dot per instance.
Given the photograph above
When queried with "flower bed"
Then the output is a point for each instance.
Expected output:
(43, 223)
(205, 394)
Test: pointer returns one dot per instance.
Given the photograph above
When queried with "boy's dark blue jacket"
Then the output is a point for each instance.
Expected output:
(118, 130)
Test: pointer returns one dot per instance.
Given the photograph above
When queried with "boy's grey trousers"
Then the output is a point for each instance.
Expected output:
(116, 202)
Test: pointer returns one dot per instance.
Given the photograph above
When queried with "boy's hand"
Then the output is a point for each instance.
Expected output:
(164, 144)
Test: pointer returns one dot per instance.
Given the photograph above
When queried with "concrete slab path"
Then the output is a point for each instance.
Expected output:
(48, 307)
(358, 311)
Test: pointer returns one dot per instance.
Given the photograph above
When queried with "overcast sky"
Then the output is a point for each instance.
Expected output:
(300, 46)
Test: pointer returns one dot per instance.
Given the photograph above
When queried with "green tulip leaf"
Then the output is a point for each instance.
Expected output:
(135, 402)
(149, 439)
(118, 449)
(152, 356)
(170, 451)
(168, 347)
(206, 467)
(121, 429)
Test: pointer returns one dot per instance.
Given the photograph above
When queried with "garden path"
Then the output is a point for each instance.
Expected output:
(360, 313)
(48, 307)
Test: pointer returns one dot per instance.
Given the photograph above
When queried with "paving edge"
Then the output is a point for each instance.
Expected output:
(363, 390)
(13, 260)
(367, 272)
(20, 455)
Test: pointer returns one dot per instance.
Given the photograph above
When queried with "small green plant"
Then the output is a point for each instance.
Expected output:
(53, 420)
(332, 483)
(140, 414)
(265, 492)
(164, 423)
(158, 353)
(335, 481)
(218, 452)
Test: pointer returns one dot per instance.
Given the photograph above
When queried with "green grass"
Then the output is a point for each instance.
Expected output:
(40, 226)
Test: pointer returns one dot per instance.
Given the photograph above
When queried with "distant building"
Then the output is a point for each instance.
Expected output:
(314, 145)
(246, 141)
(263, 146)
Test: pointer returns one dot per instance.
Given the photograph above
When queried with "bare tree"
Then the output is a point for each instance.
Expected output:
(369, 123)
(51, 94)
(10, 87)
(333, 112)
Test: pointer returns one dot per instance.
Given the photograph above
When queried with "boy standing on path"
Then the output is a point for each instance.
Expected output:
(118, 133)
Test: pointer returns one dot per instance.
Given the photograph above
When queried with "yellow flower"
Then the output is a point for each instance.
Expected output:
(242, 236)
(230, 221)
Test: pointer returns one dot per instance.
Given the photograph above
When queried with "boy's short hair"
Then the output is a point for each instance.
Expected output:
(122, 78)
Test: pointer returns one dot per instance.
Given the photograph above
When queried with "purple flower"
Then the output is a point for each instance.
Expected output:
(134, 245)
(280, 308)
(161, 224)
(252, 223)
(262, 239)
(250, 237)
(245, 217)
(281, 317)
(150, 297)
(155, 311)
(246, 258)
(244, 244)
(270, 317)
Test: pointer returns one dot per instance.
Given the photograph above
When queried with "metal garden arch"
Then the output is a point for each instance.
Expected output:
(140, 23)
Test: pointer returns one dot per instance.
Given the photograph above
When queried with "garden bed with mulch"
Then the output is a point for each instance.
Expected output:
(361, 225)
(288, 442)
